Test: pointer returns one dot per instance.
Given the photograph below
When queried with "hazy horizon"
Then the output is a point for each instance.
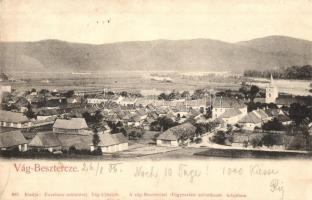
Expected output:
(159, 39)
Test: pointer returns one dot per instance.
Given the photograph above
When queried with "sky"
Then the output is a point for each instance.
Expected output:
(102, 21)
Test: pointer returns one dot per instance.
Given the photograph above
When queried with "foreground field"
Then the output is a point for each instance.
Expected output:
(156, 153)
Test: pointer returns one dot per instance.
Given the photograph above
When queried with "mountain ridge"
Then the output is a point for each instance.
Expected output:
(178, 55)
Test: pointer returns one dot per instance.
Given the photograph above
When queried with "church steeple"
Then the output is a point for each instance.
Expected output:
(271, 81)
(271, 92)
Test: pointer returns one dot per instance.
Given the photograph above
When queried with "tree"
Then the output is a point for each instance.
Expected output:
(95, 139)
(273, 124)
(185, 94)
(162, 124)
(304, 126)
(87, 116)
(253, 92)
(30, 113)
(44, 91)
(163, 96)
(69, 93)
(124, 94)
(298, 112)
(244, 90)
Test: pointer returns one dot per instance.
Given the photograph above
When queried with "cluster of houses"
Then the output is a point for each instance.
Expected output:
(60, 119)
(66, 134)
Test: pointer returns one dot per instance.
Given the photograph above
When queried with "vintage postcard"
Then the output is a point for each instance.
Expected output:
(155, 100)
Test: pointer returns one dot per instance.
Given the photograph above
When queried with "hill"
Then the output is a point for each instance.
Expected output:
(176, 55)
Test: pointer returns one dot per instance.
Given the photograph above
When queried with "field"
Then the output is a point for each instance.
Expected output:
(118, 81)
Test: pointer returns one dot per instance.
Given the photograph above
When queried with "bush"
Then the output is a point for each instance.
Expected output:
(198, 140)
(256, 142)
(269, 140)
(219, 137)
(274, 125)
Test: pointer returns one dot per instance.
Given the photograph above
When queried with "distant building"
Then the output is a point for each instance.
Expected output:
(14, 120)
(101, 98)
(271, 92)
(71, 126)
(4, 89)
(127, 101)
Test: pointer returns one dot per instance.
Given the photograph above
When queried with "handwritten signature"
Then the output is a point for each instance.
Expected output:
(277, 187)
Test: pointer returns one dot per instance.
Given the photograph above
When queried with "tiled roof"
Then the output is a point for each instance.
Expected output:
(7, 116)
(262, 114)
(272, 112)
(11, 139)
(228, 103)
(74, 123)
(251, 117)
(231, 113)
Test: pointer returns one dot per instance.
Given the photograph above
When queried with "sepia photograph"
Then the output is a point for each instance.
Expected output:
(155, 100)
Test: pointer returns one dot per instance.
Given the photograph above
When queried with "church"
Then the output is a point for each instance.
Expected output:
(271, 92)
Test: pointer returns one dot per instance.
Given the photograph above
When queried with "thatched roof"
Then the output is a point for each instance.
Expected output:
(108, 139)
(45, 139)
(11, 139)
(80, 142)
(8, 116)
(74, 123)
(177, 132)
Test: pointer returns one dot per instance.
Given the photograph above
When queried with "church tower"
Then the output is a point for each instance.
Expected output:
(271, 92)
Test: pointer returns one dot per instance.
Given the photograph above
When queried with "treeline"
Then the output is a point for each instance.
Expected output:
(294, 72)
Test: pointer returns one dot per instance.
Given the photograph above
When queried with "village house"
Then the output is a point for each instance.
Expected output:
(253, 119)
(221, 104)
(197, 104)
(97, 99)
(110, 143)
(128, 101)
(82, 93)
(13, 140)
(14, 120)
(71, 126)
(44, 114)
(102, 98)
(76, 142)
(176, 135)
(167, 138)
(45, 141)
(231, 116)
